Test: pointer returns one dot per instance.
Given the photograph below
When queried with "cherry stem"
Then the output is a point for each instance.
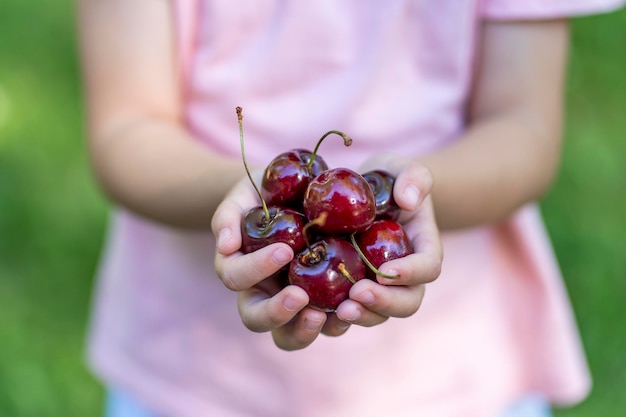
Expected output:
(320, 221)
(347, 141)
(368, 263)
(344, 271)
(239, 111)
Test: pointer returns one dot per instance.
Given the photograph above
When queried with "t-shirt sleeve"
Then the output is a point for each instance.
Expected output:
(545, 9)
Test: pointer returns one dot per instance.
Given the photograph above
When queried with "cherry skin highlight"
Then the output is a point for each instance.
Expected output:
(287, 176)
(283, 225)
(382, 183)
(384, 241)
(347, 199)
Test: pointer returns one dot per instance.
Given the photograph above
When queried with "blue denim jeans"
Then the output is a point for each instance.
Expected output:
(532, 405)
(120, 404)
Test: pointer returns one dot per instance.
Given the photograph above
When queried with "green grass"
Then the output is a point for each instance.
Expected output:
(52, 218)
(586, 211)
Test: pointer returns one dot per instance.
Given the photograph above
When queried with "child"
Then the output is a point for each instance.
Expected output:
(461, 100)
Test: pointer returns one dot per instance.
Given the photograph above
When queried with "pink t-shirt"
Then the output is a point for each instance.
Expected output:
(394, 75)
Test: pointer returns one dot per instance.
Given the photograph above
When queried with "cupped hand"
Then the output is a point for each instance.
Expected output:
(262, 302)
(372, 303)
(264, 305)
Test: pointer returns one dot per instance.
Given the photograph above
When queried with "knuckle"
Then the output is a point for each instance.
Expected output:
(411, 310)
(415, 303)
(220, 217)
(250, 324)
(229, 281)
(255, 326)
(375, 321)
(400, 310)
(385, 303)
(259, 270)
(434, 269)
(246, 273)
(288, 344)
(274, 322)
(216, 220)
(225, 214)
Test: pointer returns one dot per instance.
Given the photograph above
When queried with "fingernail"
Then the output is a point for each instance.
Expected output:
(223, 237)
(281, 256)
(411, 194)
(311, 324)
(292, 304)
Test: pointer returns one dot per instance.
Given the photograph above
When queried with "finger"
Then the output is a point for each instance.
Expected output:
(413, 184)
(354, 312)
(226, 221)
(334, 326)
(261, 313)
(300, 332)
(239, 272)
(425, 264)
(413, 269)
(225, 225)
(382, 300)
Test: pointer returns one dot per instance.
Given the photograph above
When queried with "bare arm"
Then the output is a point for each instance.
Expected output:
(510, 152)
(142, 156)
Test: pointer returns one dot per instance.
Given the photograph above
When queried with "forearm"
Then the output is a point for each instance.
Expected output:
(497, 166)
(141, 154)
(510, 151)
(156, 169)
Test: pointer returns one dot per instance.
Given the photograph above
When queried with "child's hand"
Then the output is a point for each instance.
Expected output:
(263, 305)
(371, 303)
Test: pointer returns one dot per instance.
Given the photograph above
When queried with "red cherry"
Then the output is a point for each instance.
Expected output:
(382, 184)
(262, 226)
(326, 271)
(347, 199)
(283, 225)
(287, 176)
(384, 241)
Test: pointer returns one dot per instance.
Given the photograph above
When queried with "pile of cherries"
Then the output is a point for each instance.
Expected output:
(340, 224)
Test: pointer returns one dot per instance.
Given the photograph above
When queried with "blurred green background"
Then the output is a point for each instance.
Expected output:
(52, 218)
